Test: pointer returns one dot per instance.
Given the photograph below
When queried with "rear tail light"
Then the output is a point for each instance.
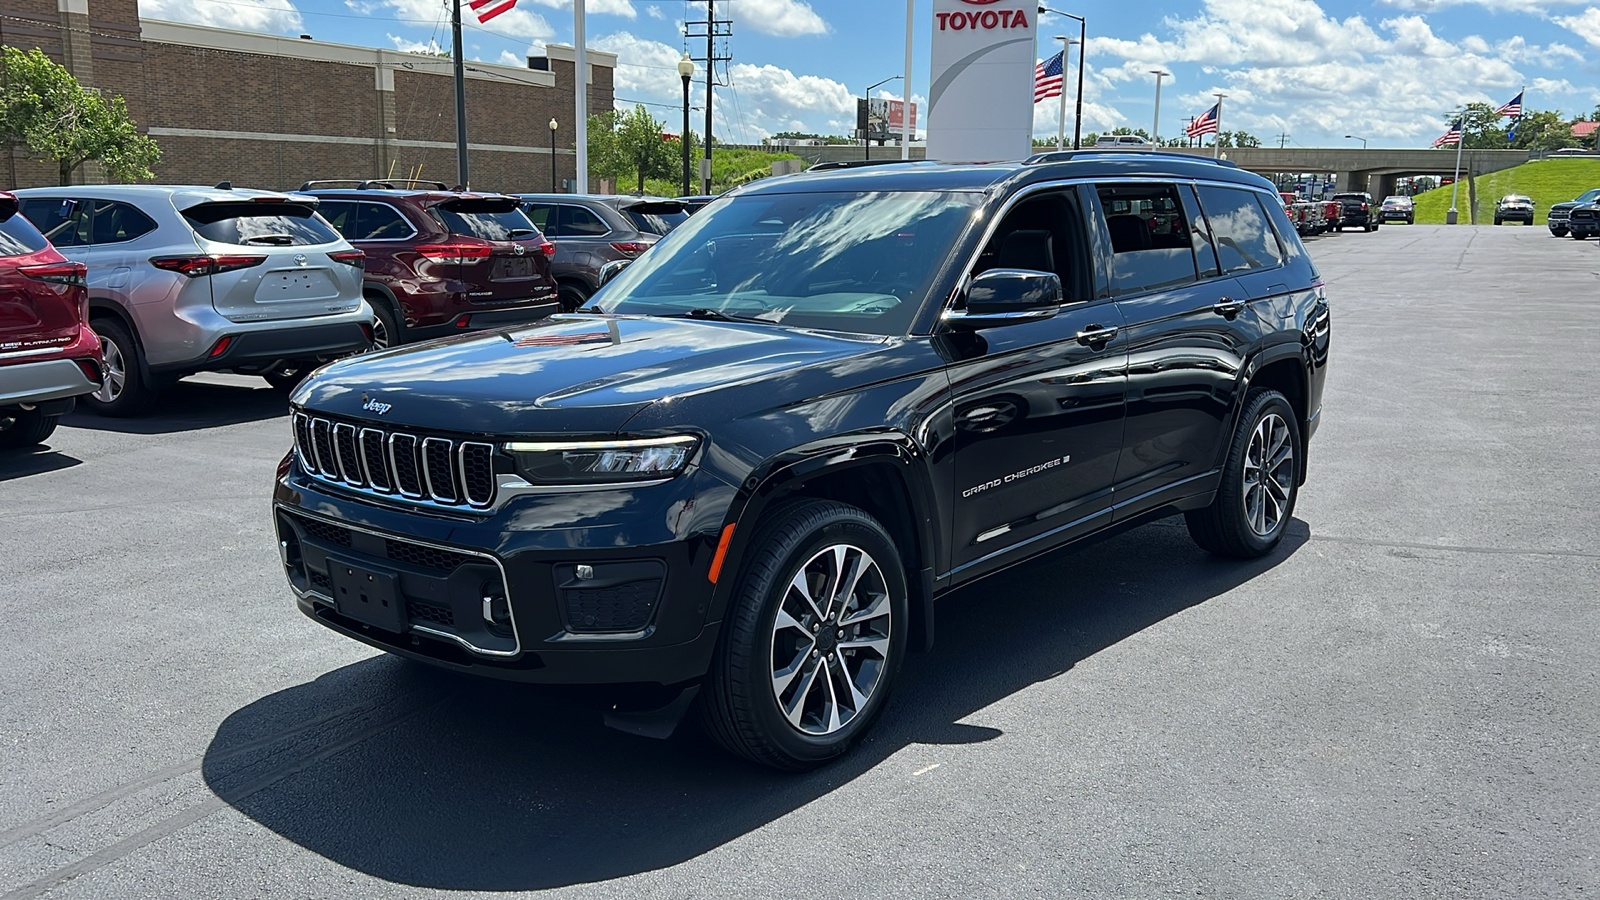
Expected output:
(1363, 206)
(463, 321)
(59, 273)
(197, 266)
(355, 258)
(548, 249)
(630, 248)
(461, 253)
(220, 348)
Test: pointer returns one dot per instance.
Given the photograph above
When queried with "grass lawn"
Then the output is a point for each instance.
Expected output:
(1546, 181)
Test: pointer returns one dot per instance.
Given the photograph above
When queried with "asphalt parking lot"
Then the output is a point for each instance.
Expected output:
(1401, 702)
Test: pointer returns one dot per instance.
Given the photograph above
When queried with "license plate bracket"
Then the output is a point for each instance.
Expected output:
(368, 595)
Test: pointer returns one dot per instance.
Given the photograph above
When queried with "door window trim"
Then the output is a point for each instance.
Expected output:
(397, 211)
(583, 237)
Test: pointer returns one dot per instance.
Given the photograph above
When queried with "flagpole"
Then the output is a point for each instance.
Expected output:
(1216, 139)
(580, 90)
(462, 170)
(1061, 99)
(1452, 217)
(906, 132)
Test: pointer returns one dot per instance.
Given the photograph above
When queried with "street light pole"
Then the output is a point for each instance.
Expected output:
(1352, 137)
(866, 142)
(1155, 127)
(553, 126)
(1083, 52)
(686, 72)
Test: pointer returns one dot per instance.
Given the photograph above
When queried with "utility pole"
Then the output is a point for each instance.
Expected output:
(1283, 140)
(714, 28)
(463, 172)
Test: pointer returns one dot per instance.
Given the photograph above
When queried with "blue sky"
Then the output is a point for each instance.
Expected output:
(1316, 70)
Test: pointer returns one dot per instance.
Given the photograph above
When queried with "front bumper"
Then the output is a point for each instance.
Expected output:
(1394, 215)
(1556, 225)
(501, 595)
(1585, 227)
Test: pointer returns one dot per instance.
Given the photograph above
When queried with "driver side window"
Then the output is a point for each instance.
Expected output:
(1043, 233)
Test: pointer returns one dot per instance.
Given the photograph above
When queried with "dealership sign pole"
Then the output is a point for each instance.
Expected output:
(980, 100)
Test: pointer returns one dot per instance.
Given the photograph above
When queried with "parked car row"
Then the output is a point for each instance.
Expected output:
(175, 280)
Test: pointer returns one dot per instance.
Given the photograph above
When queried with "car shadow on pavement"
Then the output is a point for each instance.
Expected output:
(448, 781)
(191, 405)
(33, 461)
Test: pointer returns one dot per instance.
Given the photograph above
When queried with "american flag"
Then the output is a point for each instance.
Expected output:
(1206, 124)
(488, 9)
(1514, 108)
(1047, 78)
(564, 340)
(1450, 137)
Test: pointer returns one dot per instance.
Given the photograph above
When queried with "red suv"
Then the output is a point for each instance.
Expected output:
(439, 261)
(48, 354)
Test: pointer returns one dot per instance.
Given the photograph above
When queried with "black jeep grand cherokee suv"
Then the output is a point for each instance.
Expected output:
(744, 475)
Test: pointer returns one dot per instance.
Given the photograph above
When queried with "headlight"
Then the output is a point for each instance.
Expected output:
(602, 462)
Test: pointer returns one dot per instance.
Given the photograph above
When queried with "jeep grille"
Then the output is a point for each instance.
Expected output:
(421, 468)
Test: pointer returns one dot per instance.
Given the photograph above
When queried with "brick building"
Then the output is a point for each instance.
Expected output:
(271, 112)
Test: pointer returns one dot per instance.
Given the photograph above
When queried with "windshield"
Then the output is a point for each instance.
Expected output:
(849, 261)
(1589, 195)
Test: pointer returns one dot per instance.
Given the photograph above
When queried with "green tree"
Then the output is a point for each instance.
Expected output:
(629, 145)
(1237, 139)
(44, 109)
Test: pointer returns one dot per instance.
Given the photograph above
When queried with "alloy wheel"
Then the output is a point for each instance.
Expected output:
(116, 374)
(830, 639)
(380, 334)
(1268, 474)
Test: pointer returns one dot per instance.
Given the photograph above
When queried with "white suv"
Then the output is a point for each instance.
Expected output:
(1125, 141)
(191, 279)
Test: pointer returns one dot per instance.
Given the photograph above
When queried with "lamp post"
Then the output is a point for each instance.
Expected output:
(866, 142)
(686, 72)
(1155, 127)
(553, 126)
(1083, 51)
(1352, 137)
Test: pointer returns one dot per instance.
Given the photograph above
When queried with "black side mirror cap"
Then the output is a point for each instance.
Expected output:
(1006, 297)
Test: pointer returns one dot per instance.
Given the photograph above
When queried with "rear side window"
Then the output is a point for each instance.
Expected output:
(490, 220)
(260, 224)
(543, 217)
(341, 214)
(64, 221)
(382, 222)
(1151, 240)
(116, 222)
(1239, 228)
(18, 236)
(575, 221)
(653, 221)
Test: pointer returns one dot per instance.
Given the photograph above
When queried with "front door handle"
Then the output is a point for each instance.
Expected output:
(1097, 334)
(1228, 307)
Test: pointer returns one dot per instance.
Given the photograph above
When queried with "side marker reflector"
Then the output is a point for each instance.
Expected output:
(722, 552)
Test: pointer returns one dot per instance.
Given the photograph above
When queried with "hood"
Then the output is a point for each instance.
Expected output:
(1567, 205)
(571, 374)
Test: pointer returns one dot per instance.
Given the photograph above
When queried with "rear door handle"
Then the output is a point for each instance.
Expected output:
(1097, 334)
(1228, 307)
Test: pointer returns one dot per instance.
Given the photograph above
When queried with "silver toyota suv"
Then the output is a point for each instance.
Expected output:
(192, 279)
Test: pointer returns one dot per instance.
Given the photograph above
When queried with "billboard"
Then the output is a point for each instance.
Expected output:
(883, 120)
(980, 103)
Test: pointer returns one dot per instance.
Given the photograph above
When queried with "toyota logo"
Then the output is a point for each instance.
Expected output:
(300, 259)
(519, 249)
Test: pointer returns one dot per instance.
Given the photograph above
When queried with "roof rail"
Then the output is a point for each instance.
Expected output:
(385, 184)
(857, 164)
(1065, 155)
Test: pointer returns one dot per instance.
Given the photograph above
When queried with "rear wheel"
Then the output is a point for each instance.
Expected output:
(814, 636)
(572, 297)
(1260, 481)
(25, 427)
(124, 392)
(385, 324)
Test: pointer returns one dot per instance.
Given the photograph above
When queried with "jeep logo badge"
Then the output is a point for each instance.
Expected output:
(376, 406)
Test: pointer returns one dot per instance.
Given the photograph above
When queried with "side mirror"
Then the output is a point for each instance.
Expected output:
(611, 270)
(1006, 297)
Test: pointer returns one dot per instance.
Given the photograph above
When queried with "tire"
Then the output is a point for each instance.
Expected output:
(386, 328)
(1230, 526)
(1579, 237)
(1497, 221)
(572, 297)
(742, 704)
(287, 378)
(125, 392)
(1558, 232)
(25, 427)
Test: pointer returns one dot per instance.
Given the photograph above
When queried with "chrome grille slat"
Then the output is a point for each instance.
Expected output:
(423, 469)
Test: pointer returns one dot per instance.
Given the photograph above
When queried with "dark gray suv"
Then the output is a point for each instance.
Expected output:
(590, 231)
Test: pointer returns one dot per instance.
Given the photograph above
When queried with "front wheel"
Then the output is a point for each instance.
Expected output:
(25, 427)
(1558, 232)
(1260, 481)
(815, 632)
(1497, 221)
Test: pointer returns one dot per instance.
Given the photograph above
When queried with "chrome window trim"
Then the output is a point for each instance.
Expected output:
(505, 582)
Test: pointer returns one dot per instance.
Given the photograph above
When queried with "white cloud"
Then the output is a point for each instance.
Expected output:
(782, 18)
(1526, 6)
(655, 12)
(622, 8)
(278, 16)
(1585, 25)
(405, 45)
(518, 23)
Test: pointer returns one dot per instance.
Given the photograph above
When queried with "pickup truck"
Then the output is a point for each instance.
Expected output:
(1557, 220)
